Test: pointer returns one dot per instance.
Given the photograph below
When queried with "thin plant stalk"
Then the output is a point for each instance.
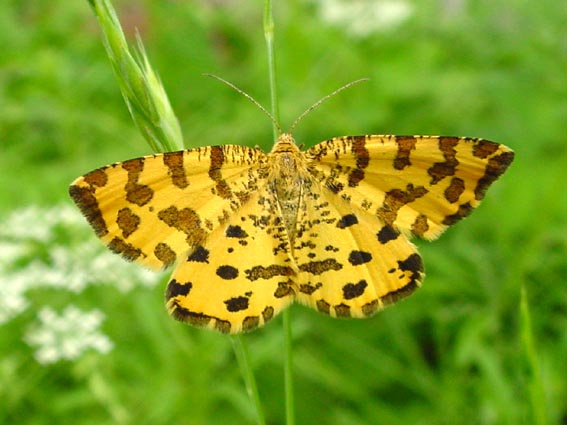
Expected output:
(269, 31)
(141, 88)
(535, 388)
(243, 358)
(269, 36)
(288, 369)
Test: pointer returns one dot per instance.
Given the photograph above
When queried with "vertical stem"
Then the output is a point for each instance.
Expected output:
(288, 351)
(269, 36)
(243, 359)
(535, 388)
(288, 369)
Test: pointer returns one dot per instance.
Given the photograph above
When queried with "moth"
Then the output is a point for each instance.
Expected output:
(249, 232)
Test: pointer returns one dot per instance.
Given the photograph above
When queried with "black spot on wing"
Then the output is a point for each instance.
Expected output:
(463, 211)
(354, 290)
(387, 234)
(236, 232)
(199, 255)
(236, 304)
(359, 257)
(318, 267)
(347, 221)
(198, 319)
(174, 289)
(227, 272)
(414, 266)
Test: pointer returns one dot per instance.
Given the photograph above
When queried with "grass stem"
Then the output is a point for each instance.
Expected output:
(269, 34)
(535, 387)
(243, 358)
(288, 369)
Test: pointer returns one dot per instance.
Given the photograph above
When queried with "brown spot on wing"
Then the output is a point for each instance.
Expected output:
(127, 221)
(284, 289)
(174, 161)
(355, 177)
(185, 220)
(261, 272)
(463, 211)
(222, 326)
(405, 145)
(323, 306)
(420, 225)
(397, 198)
(494, 169)
(439, 170)
(370, 308)
(455, 189)
(250, 322)
(88, 204)
(268, 313)
(483, 148)
(308, 288)
(193, 318)
(342, 310)
(165, 254)
(217, 160)
(96, 178)
(404, 291)
(119, 246)
(136, 193)
(185, 315)
(362, 158)
(318, 267)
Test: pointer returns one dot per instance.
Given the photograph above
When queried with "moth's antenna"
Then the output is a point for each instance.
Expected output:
(316, 104)
(250, 98)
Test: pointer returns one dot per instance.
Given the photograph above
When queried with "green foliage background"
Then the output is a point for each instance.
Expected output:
(451, 353)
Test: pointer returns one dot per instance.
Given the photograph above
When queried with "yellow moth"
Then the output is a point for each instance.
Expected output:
(251, 232)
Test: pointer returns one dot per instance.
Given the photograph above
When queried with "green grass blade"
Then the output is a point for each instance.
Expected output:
(535, 387)
(243, 358)
(269, 34)
(140, 86)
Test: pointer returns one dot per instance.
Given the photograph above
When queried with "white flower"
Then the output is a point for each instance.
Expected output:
(67, 336)
(54, 248)
(12, 296)
(26, 223)
(361, 18)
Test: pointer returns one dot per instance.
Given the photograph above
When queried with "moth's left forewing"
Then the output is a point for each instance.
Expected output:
(418, 184)
(155, 209)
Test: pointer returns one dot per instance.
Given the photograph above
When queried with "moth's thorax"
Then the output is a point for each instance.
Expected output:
(285, 143)
(287, 175)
